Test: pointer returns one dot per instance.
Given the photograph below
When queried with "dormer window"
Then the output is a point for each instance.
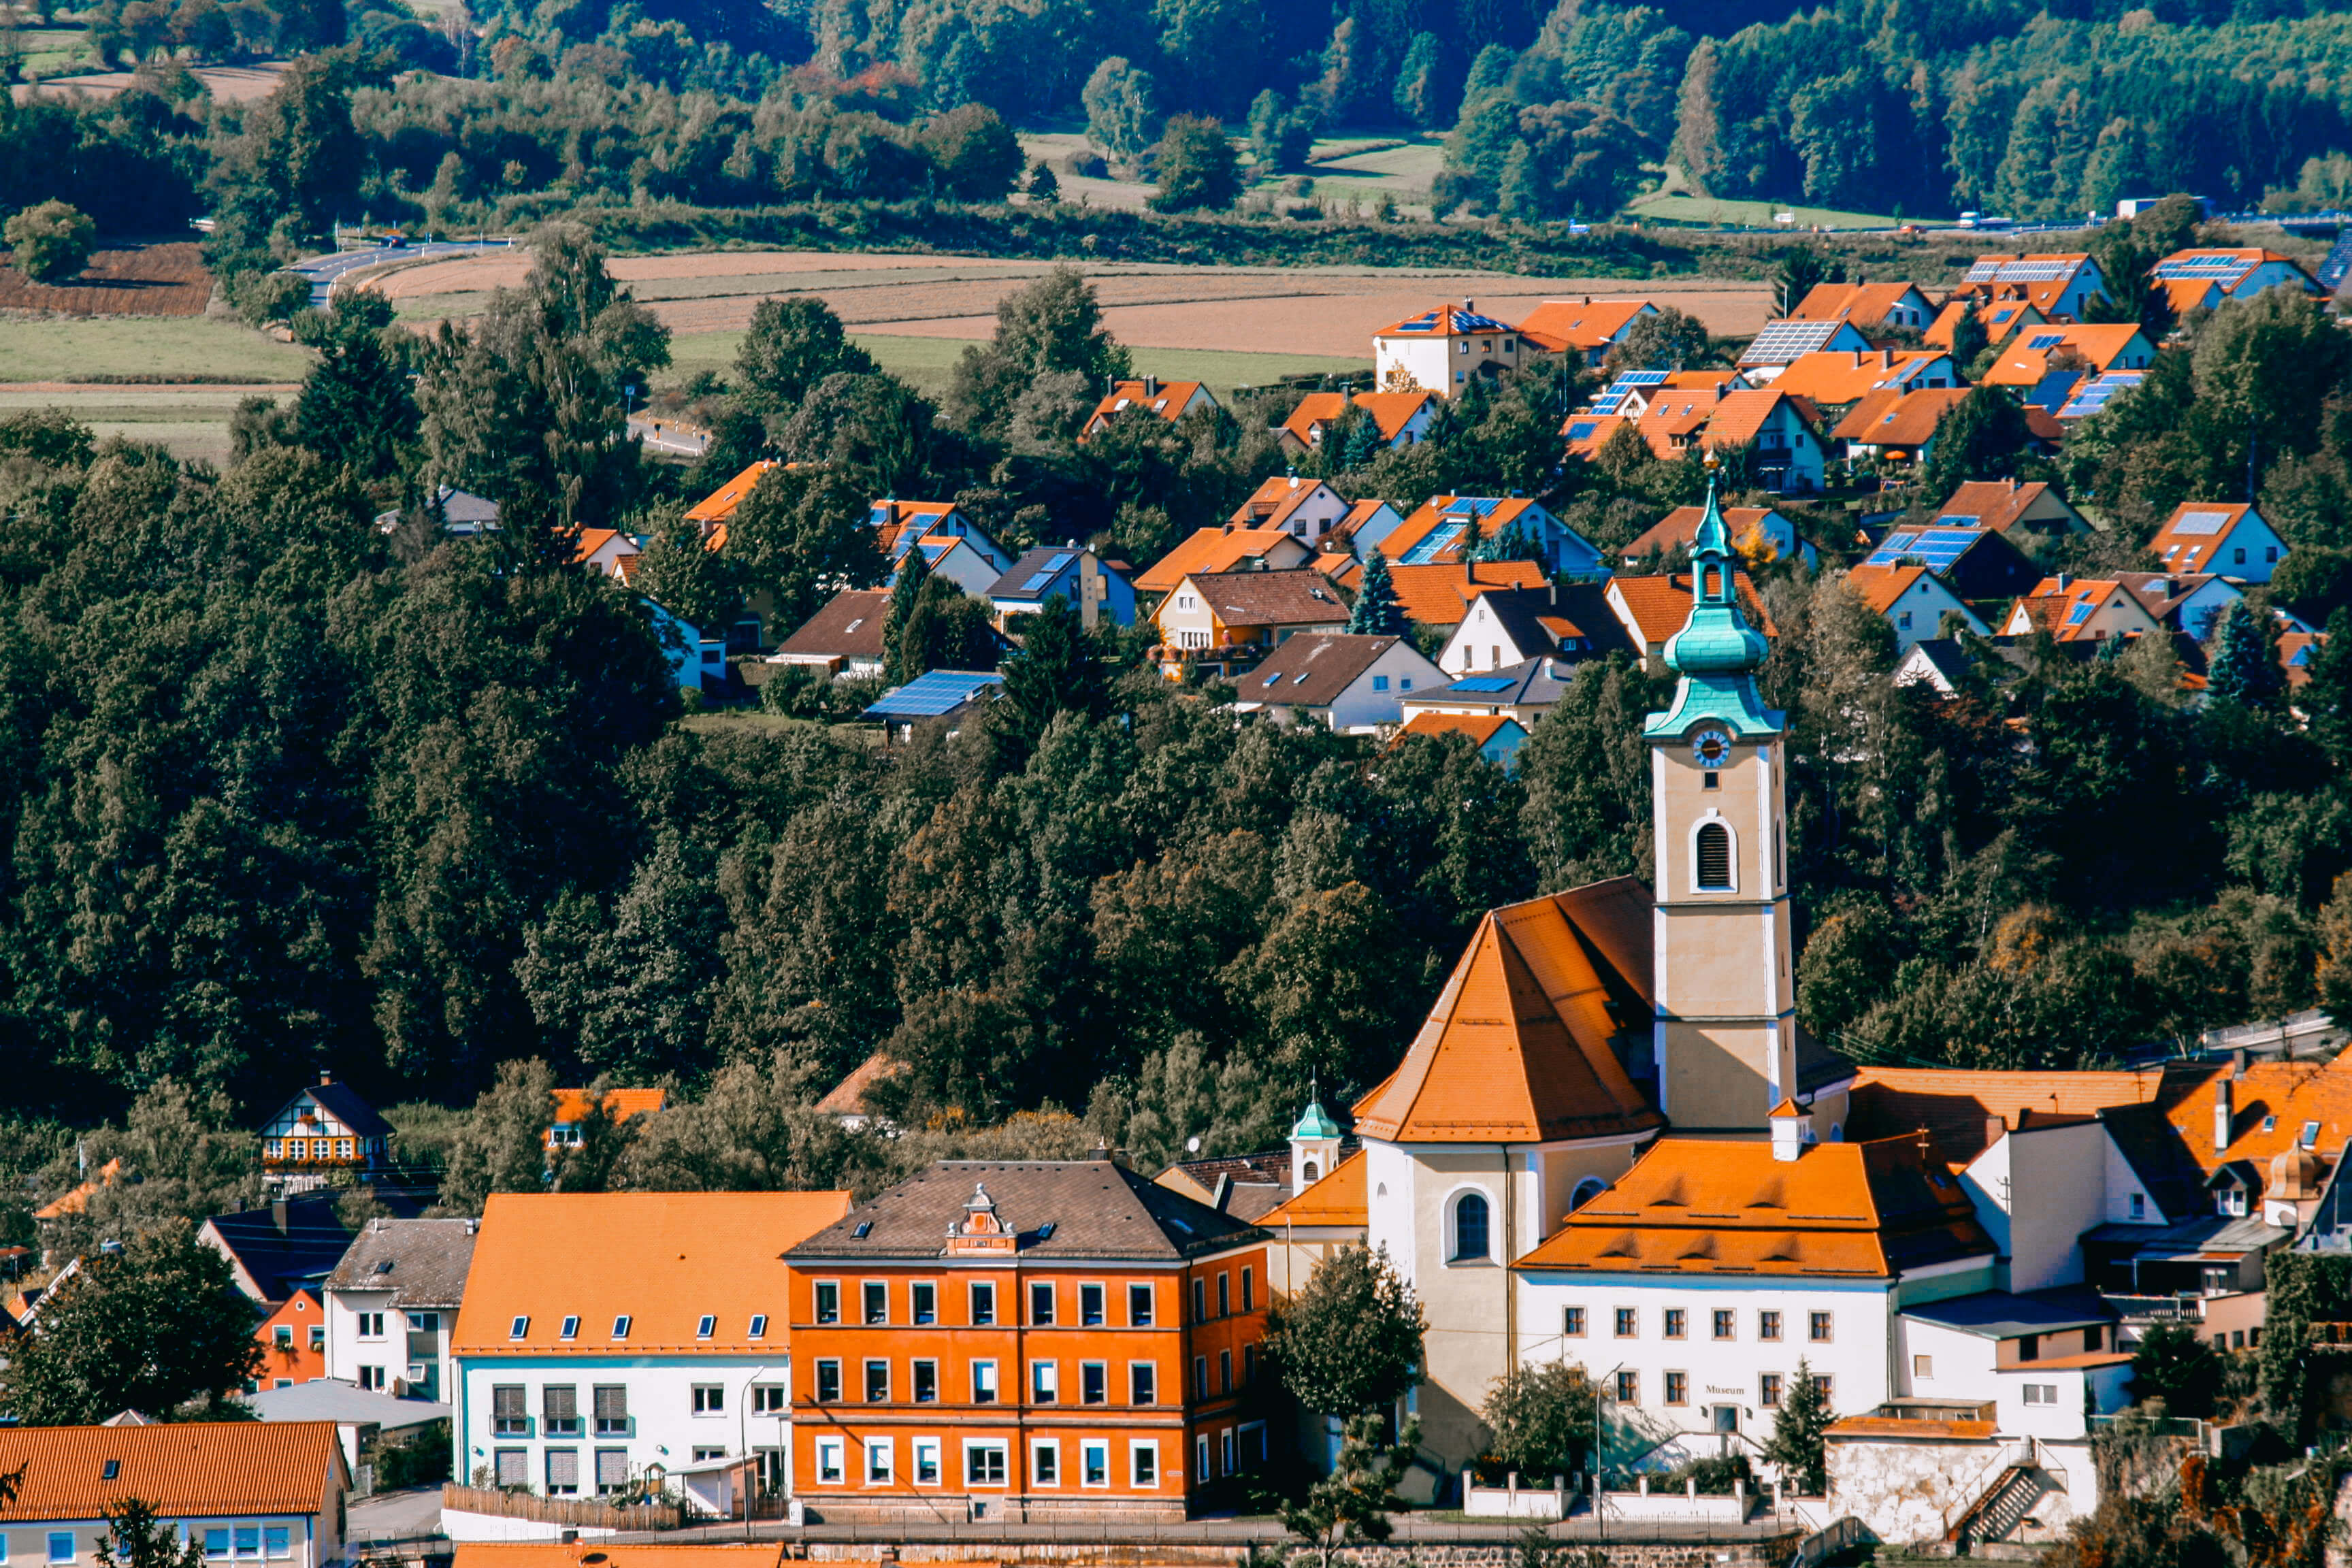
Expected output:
(2309, 1137)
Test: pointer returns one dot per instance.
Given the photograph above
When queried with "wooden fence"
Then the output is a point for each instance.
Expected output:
(574, 1512)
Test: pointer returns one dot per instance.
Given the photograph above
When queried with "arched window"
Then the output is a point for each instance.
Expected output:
(1837, 1131)
(1714, 857)
(1586, 1191)
(1309, 1171)
(1469, 1227)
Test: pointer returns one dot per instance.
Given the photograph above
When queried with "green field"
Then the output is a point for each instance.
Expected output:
(1682, 208)
(56, 51)
(86, 348)
(189, 422)
(925, 364)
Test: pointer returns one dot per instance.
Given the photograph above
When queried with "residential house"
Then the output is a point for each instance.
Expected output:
(1442, 348)
(458, 513)
(1366, 524)
(2091, 394)
(1783, 343)
(1831, 380)
(238, 1491)
(618, 1105)
(1099, 589)
(1448, 528)
(2081, 609)
(2241, 273)
(2030, 357)
(1403, 418)
(1758, 532)
(2183, 297)
(602, 550)
(1976, 563)
(1913, 599)
(1525, 691)
(275, 1251)
(1306, 509)
(1999, 318)
(2060, 285)
(293, 1340)
(1653, 609)
(1350, 684)
(719, 507)
(2186, 603)
(1170, 400)
(695, 659)
(324, 1132)
(1232, 619)
(2026, 511)
(363, 1422)
(953, 546)
(1779, 431)
(1898, 428)
(1633, 391)
(1586, 328)
(943, 697)
(846, 1102)
(1026, 1341)
(578, 1381)
(1670, 423)
(1496, 737)
(1584, 434)
(1508, 626)
(2296, 652)
(1241, 1185)
(1226, 549)
(1937, 663)
(392, 1306)
(1872, 307)
(845, 639)
(2216, 536)
(1441, 595)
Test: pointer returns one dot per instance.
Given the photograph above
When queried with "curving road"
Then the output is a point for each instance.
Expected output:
(325, 271)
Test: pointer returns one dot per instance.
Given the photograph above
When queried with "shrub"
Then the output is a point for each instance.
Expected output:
(52, 241)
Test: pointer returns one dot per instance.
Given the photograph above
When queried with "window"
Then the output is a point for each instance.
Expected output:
(318, 1343)
(1673, 1321)
(1094, 1463)
(923, 1299)
(1817, 1327)
(1768, 1325)
(1200, 1300)
(1249, 1365)
(1139, 1306)
(372, 1377)
(1723, 1319)
(878, 1470)
(1094, 1383)
(926, 1462)
(507, 1417)
(621, 1327)
(1469, 1228)
(828, 1301)
(1714, 857)
(569, 1329)
(511, 1466)
(1143, 1463)
(2041, 1393)
(1677, 1388)
(61, 1546)
(1629, 1388)
(1379, 683)
(276, 1541)
(559, 1403)
(1768, 1389)
(768, 1399)
(284, 1335)
(1201, 1456)
(984, 1302)
(828, 1461)
(1041, 1303)
(1224, 1295)
(2029, 1347)
(828, 1382)
(216, 1543)
(877, 1301)
(1045, 1382)
(2139, 1205)
(706, 1326)
(1571, 1322)
(515, 1330)
(1825, 1385)
(710, 1399)
(1628, 1327)
(983, 1383)
(1224, 1372)
(983, 1464)
(926, 1376)
(1143, 1383)
(759, 1326)
(1045, 1463)
(703, 1451)
(613, 1411)
(877, 1381)
(1090, 1306)
(1200, 1377)
(1249, 1289)
(613, 1470)
(1923, 1367)
(562, 1473)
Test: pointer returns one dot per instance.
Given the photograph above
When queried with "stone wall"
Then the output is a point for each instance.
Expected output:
(1755, 1552)
(1911, 1490)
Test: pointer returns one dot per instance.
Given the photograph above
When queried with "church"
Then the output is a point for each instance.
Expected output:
(1610, 1143)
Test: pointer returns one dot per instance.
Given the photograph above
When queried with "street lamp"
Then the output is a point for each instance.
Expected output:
(1599, 1482)
(743, 1441)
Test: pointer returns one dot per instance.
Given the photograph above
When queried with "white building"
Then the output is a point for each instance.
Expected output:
(392, 1306)
(1443, 349)
(267, 1493)
(1350, 684)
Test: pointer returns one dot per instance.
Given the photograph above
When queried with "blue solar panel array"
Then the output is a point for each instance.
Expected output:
(1612, 398)
(1484, 683)
(1462, 322)
(2220, 268)
(2053, 389)
(1582, 428)
(1444, 536)
(928, 696)
(2093, 393)
(1933, 548)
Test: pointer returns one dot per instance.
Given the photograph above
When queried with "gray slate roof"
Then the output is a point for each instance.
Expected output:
(421, 1262)
(325, 1399)
(1998, 1315)
(1098, 1210)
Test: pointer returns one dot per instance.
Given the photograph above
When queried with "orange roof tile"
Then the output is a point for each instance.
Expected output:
(1439, 595)
(1675, 418)
(78, 1200)
(1391, 412)
(1213, 549)
(2098, 345)
(2285, 1095)
(603, 1553)
(721, 504)
(688, 1254)
(190, 1468)
(1739, 415)
(1434, 511)
(1954, 1103)
(1864, 304)
(1480, 728)
(620, 1104)
(1337, 1199)
(1880, 586)
(1167, 398)
(1597, 427)
(1271, 504)
(1587, 325)
(847, 1098)
(1908, 419)
(1827, 377)
(1660, 606)
(1517, 1048)
(2192, 537)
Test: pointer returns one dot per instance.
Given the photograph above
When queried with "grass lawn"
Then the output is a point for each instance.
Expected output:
(927, 363)
(83, 347)
(56, 51)
(188, 422)
(1683, 208)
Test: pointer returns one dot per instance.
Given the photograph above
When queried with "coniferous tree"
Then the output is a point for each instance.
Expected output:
(355, 408)
(914, 571)
(2243, 669)
(1798, 1445)
(1377, 613)
(1057, 670)
(2325, 698)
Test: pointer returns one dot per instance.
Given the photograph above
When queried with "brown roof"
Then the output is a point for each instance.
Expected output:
(1311, 669)
(1954, 1104)
(188, 1468)
(1909, 419)
(1096, 1209)
(1301, 597)
(688, 1254)
(1518, 1047)
(850, 626)
(1587, 325)
(1994, 503)
(1439, 595)
(1213, 549)
(847, 1098)
(1689, 1206)
(1337, 1199)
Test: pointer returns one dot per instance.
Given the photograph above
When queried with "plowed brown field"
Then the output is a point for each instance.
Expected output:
(162, 279)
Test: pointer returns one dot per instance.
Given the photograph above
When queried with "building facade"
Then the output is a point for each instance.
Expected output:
(391, 1307)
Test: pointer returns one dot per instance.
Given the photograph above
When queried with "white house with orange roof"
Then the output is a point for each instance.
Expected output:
(1833, 380)
(721, 504)
(1442, 348)
(1999, 318)
(1869, 306)
(1305, 508)
(2210, 536)
(1913, 600)
(1170, 400)
(2080, 609)
(1446, 529)
(1365, 527)
(2059, 284)
(1586, 327)
(1225, 549)
(602, 550)
(1403, 418)
(2034, 353)
(1780, 428)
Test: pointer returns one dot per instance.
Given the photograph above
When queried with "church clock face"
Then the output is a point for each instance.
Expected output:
(1711, 747)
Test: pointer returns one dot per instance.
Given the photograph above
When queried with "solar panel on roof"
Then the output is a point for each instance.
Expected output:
(1900, 541)
(1583, 429)
(1486, 683)
(1061, 558)
(1643, 378)
(1959, 519)
(1781, 341)
(1037, 581)
(2201, 522)
(928, 696)
(2046, 340)
(2034, 271)
(2080, 613)
(1933, 548)
(2052, 391)
(1984, 272)
(2093, 394)
(1439, 540)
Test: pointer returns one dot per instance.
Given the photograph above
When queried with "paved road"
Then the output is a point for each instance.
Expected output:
(395, 1516)
(324, 270)
(668, 436)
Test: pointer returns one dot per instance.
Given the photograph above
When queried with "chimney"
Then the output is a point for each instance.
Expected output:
(325, 1078)
(2062, 580)
(278, 1214)
(569, 1538)
(1995, 1131)
(1788, 1131)
(2238, 1062)
(2222, 1118)
(1151, 386)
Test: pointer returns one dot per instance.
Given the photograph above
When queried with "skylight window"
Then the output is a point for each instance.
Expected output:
(570, 1329)
(759, 1326)
(621, 1327)
(2309, 1136)
(519, 1327)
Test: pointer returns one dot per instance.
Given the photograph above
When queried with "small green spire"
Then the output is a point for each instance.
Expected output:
(1716, 653)
(1313, 1123)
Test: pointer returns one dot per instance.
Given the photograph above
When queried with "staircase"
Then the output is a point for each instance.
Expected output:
(2003, 1506)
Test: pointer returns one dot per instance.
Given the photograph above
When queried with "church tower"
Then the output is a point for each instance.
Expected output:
(1725, 1035)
